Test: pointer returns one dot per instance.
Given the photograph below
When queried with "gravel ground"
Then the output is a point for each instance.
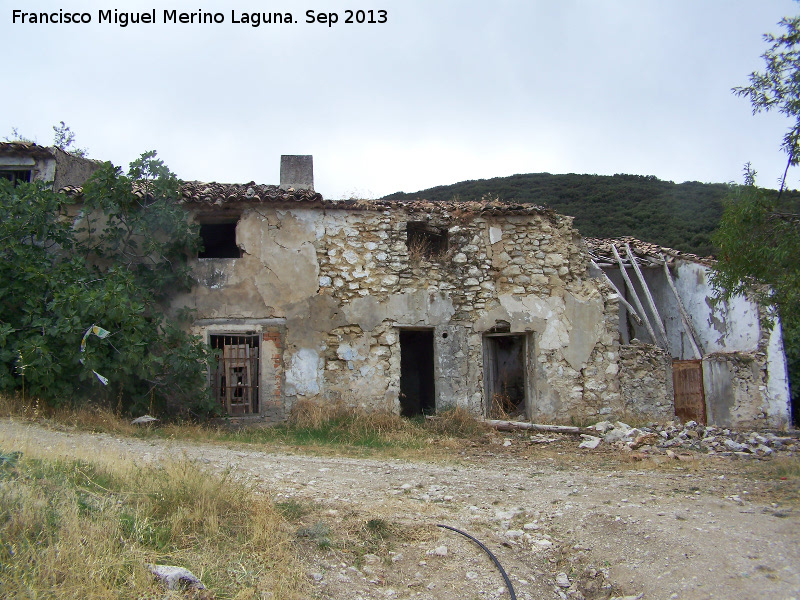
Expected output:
(564, 522)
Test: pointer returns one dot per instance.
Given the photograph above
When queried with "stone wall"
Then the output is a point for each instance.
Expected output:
(745, 382)
(738, 385)
(343, 281)
(646, 382)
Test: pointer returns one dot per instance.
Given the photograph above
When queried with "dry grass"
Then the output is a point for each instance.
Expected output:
(86, 416)
(342, 425)
(334, 427)
(73, 528)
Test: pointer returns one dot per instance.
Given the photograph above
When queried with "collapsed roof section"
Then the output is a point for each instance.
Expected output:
(601, 250)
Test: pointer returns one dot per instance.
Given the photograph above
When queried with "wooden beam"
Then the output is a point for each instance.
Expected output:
(627, 304)
(515, 425)
(687, 321)
(648, 295)
(636, 300)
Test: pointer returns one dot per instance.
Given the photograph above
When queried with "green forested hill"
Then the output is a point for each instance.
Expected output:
(678, 215)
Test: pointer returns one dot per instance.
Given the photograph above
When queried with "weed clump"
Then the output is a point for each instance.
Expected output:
(456, 422)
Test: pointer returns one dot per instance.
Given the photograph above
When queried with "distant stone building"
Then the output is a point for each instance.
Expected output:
(26, 161)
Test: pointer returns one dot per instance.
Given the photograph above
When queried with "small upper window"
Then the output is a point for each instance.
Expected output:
(219, 241)
(17, 176)
(425, 241)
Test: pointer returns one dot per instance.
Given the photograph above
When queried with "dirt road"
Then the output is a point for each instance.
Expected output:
(564, 522)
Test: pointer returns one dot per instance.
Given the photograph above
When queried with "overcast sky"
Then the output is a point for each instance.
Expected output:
(441, 92)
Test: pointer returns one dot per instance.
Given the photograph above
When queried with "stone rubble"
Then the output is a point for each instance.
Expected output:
(710, 440)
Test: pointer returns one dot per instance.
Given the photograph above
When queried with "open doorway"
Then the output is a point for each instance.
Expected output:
(506, 375)
(417, 389)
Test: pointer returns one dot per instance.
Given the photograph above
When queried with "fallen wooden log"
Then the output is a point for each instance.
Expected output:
(515, 425)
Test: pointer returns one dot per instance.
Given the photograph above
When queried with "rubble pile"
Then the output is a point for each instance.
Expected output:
(665, 439)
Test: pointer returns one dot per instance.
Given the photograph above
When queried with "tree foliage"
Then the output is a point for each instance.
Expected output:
(758, 245)
(759, 236)
(108, 260)
(778, 86)
(64, 138)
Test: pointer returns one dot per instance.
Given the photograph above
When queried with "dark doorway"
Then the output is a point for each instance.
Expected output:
(417, 391)
(505, 375)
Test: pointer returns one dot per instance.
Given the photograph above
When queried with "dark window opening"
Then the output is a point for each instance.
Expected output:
(505, 375)
(235, 378)
(219, 241)
(417, 390)
(425, 241)
(16, 177)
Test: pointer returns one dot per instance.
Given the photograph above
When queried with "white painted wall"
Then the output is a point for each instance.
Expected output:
(777, 397)
(731, 326)
(726, 328)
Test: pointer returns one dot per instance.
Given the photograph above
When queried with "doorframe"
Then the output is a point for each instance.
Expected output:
(488, 373)
(435, 387)
(214, 377)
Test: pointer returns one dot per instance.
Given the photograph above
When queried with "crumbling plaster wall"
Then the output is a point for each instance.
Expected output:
(342, 282)
(744, 366)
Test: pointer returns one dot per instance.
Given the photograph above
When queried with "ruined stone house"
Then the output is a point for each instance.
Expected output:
(498, 308)
(502, 309)
(683, 354)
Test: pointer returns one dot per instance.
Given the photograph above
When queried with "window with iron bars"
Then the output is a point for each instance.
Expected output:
(235, 379)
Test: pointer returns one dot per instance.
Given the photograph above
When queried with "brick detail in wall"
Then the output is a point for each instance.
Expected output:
(272, 405)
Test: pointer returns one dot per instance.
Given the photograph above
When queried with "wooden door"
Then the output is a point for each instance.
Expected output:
(690, 401)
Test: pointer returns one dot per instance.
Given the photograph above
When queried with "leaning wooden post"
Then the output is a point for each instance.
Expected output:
(687, 322)
(647, 295)
(636, 300)
(627, 304)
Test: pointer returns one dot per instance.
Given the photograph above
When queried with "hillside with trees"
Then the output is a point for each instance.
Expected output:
(678, 215)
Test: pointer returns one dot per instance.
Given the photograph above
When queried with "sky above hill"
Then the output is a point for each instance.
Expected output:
(442, 91)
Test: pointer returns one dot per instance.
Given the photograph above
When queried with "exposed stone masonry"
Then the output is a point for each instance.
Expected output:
(646, 382)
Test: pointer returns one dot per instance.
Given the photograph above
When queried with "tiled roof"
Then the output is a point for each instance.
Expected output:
(483, 208)
(28, 148)
(196, 192)
(646, 254)
(199, 194)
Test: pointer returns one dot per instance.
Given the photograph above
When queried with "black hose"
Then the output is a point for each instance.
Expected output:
(492, 556)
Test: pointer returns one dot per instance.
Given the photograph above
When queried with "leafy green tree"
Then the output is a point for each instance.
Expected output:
(778, 86)
(758, 245)
(111, 261)
(759, 235)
